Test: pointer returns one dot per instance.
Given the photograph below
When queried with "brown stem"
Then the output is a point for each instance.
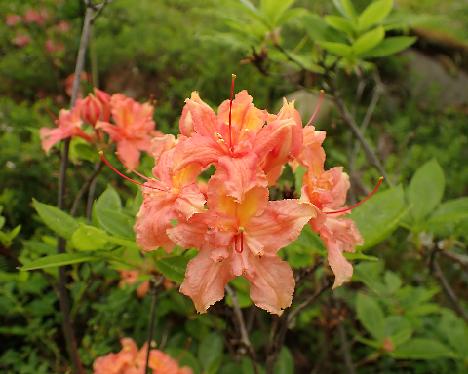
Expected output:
(85, 187)
(245, 339)
(351, 123)
(64, 301)
(153, 287)
(460, 259)
(449, 293)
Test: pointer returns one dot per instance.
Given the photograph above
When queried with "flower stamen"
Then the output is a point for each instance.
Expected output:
(233, 78)
(376, 188)
(317, 107)
(118, 172)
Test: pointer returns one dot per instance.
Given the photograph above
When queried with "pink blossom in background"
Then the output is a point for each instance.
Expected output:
(21, 40)
(12, 19)
(63, 26)
(38, 17)
(52, 46)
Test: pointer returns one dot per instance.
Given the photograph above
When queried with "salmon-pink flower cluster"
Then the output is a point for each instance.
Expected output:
(237, 230)
(130, 360)
(128, 124)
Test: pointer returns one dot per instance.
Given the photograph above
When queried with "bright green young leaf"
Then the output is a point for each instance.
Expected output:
(60, 222)
(422, 349)
(210, 352)
(319, 31)
(59, 260)
(285, 363)
(338, 49)
(109, 215)
(391, 46)
(398, 329)
(379, 217)
(273, 10)
(368, 40)
(371, 316)
(345, 7)
(172, 267)
(89, 238)
(340, 24)
(374, 13)
(426, 190)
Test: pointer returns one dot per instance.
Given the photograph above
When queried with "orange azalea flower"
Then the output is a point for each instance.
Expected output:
(133, 128)
(69, 124)
(130, 360)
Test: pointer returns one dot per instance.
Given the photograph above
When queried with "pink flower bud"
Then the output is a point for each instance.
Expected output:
(91, 110)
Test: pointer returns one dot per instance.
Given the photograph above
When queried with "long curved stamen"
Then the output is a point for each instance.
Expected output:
(233, 78)
(140, 175)
(109, 165)
(317, 107)
(376, 188)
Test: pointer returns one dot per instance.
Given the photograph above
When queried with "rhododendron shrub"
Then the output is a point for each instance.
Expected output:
(130, 360)
(230, 219)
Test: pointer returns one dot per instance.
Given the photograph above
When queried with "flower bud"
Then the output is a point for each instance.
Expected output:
(91, 109)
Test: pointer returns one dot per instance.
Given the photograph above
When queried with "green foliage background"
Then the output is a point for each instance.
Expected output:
(166, 49)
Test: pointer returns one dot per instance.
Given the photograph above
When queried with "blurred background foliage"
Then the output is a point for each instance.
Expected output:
(394, 318)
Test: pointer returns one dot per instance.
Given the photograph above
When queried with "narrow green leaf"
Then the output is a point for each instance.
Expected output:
(398, 329)
(368, 41)
(391, 46)
(210, 352)
(273, 10)
(338, 49)
(58, 260)
(89, 238)
(422, 349)
(374, 13)
(370, 315)
(452, 211)
(58, 221)
(340, 23)
(285, 363)
(426, 190)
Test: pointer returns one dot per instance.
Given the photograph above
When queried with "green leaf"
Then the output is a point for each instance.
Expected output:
(285, 363)
(368, 41)
(345, 7)
(340, 23)
(298, 176)
(398, 329)
(172, 267)
(109, 215)
(58, 221)
(338, 49)
(426, 190)
(319, 30)
(391, 46)
(58, 260)
(273, 10)
(89, 238)
(422, 349)
(374, 13)
(371, 316)
(452, 211)
(210, 352)
(379, 217)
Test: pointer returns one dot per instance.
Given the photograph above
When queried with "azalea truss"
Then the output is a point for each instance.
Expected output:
(229, 219)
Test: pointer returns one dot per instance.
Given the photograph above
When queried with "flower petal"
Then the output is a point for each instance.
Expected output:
(205, 280)
(272, 283)
(128, 154)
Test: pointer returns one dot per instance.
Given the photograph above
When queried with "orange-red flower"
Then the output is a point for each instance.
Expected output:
(130, 360)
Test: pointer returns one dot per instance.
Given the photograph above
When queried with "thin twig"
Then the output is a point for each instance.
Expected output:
(153, 288)
(64, 302)
(460, 259)
(85, 187)
(351, 122)
(245, 339)
(308, 301)
(345, 350)
(449, 293)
